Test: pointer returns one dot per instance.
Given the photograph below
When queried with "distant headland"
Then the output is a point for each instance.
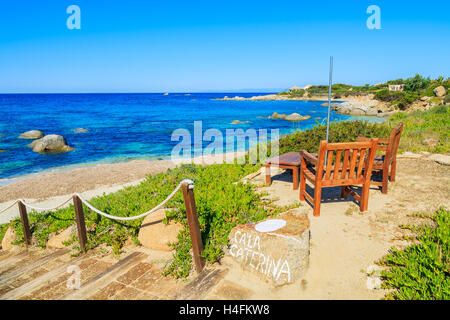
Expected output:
(381, 99)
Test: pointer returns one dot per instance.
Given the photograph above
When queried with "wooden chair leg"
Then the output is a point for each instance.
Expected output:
(317, 197)
(384, 186)
(302, 181)
(268, 177)
(295, 177)
(344, 192)
(393, 169)
(364, 202)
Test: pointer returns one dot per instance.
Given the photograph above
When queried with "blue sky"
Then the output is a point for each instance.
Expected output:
(195, 46)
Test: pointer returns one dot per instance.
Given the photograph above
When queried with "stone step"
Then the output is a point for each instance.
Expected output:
(5, 254)
(201, 286)
(101, 280)
(143, 281)
(57, 286)
(51, 270)
(43, 275)
(16, 261)
(9, 277)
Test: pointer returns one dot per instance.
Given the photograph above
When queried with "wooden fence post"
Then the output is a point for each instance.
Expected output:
(25, 223)
(81, 226)
(194, 227)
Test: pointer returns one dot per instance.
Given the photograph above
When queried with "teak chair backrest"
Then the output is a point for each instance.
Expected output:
(393, 143)
(341, 164)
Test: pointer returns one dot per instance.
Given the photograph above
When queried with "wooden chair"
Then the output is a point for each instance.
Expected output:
(354, 169)
(385, 164)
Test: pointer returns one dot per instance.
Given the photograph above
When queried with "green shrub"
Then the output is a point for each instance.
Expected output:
(416, 83)
(298, 92)
(407, 99)
(389, 96)
(422, 271)
(344, 131)
(447, 98)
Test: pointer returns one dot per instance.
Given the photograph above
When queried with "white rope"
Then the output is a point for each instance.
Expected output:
(189, 182)
(9, 206)
(44, 209)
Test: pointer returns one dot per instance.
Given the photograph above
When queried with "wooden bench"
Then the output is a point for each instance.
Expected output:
(352, 165)
(291, 160)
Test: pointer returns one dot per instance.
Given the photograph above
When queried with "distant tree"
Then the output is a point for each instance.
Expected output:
(417, 83)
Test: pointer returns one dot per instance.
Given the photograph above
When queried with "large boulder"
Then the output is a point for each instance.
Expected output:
(9, 238)
(52, 143)
(32, 135)
(356, 108)
(57, 241)
(439, 91)
(154, 234)
(276, 250)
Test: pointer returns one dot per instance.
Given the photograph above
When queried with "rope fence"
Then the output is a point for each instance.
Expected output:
(186, 185)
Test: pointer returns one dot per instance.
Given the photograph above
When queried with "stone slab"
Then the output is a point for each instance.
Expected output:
(277, 256)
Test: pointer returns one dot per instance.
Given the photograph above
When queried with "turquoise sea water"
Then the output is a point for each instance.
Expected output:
(128, 126)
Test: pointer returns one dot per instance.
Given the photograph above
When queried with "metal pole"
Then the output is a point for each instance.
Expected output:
(329, 95)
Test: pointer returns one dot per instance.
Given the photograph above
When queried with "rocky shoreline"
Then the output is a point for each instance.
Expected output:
(364, 105)
(355, 105)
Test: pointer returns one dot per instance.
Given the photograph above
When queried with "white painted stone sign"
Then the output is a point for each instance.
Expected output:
(277, 250)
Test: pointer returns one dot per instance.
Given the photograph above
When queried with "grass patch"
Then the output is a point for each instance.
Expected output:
(421, 271)
(424, 130)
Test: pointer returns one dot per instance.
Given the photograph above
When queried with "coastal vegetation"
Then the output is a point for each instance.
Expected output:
(222, 201)
(415, 88)
(424, 130)
(422, 270)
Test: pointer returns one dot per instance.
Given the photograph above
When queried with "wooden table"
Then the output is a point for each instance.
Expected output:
(291, 160)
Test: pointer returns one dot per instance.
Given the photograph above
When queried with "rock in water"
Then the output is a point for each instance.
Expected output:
(291, 117)
(32, 135)
(8, 238)
(276, 250)
(52, 143)
(439, 91)
(81, 130)
(154, 234)
(296, 117)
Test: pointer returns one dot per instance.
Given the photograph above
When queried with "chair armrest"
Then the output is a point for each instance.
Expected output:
(380, 140)
(308, 157)
(383, 140)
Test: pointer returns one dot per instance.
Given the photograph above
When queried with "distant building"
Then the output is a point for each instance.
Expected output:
(396, 87)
